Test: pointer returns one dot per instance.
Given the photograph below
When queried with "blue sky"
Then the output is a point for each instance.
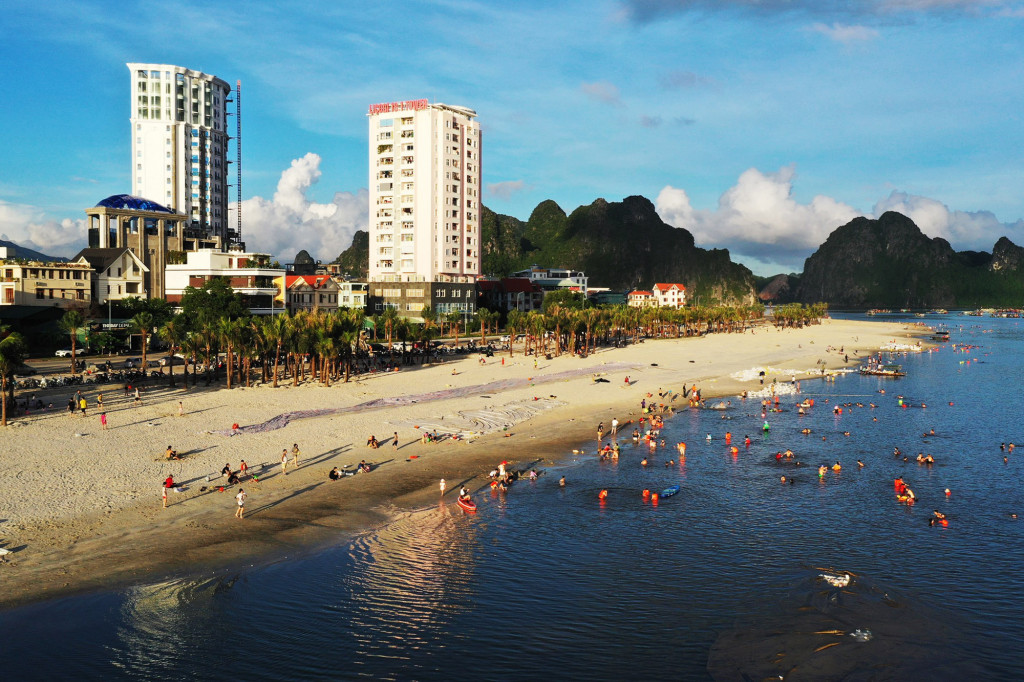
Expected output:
(759, 125)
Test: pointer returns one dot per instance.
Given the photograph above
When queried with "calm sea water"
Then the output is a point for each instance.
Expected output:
(546, 581)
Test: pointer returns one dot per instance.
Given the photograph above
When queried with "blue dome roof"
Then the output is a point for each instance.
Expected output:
(133, 203)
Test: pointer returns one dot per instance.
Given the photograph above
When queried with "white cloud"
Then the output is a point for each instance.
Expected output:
(977, 230)
(762, 225)
(758, 218)
(29, 227)
(291, 221)
(504, 190)
(602, 91)
(845, 34)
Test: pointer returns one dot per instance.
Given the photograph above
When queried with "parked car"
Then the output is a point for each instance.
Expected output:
(506, 338)
(66, 352)
(172, 360)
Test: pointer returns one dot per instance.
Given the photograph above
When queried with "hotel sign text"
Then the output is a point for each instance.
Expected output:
(408, 105)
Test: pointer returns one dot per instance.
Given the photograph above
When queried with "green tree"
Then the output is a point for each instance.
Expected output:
(215, 298)
(565, 299)
(72, 321)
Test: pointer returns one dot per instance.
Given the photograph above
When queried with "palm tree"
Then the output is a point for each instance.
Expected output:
(514, 323)
(143, 324)
(389, 318)
(276, 330)
(454, 319)
(172, 333)
(192, 346)
(71, 323)
(13, 352)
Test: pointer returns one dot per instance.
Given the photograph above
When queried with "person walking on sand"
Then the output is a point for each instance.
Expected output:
(99, 402)
(138, 397)
(240, 513)
(82, 405)
(284, 461)
(103, 420)
(181, 409)
(394, 441)
(295, 455)
(443, 485)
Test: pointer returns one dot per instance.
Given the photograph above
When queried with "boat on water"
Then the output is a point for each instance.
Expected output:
(940, 335)
(884, 371)
(938, 311)
(467, 504)
(1006, 312)
(669, 492)
(878, 311)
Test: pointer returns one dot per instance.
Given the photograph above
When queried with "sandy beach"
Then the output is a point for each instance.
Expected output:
(81, 506)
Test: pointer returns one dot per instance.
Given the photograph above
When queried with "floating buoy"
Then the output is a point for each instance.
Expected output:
(602, 495)
(647, 493)
(948, 493)
(654, 498)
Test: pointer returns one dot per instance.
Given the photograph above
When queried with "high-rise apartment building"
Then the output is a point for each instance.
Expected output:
(424, 193)
(180, 143)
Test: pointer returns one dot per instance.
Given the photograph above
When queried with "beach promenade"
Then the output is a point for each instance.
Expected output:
(81, 507)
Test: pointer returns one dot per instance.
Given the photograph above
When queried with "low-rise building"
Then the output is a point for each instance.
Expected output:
(553, 279)
(510, 293)
(410, 298)
(670, 295)
(640, 298)
(247, 273)
(310, 292)
(118, 273)
(352, 294)
(51, 284)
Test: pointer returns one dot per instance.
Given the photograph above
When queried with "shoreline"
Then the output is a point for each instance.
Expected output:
(85, 545)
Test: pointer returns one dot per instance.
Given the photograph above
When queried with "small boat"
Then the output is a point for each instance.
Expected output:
(884, 371)
(669, 492)
(467, 504)
(940, 336)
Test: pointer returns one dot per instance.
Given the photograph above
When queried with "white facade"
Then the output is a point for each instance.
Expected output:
(352, 294)
(180, 142)
(243, 271)
(424, 192)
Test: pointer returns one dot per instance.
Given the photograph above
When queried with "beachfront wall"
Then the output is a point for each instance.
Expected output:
(410, 298)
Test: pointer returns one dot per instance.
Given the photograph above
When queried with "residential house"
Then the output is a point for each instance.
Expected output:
(118, 273)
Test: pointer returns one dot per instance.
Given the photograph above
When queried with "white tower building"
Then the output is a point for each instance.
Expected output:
(424, 192)
(180, 143)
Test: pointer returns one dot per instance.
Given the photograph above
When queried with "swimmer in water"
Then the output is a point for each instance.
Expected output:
(643, 462)
(561, 482)
(860, 463)
(708, 438)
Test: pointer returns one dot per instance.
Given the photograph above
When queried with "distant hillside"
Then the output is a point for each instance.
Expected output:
(355, 260)
(621, 245)
(17, 251)
(890, 263)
